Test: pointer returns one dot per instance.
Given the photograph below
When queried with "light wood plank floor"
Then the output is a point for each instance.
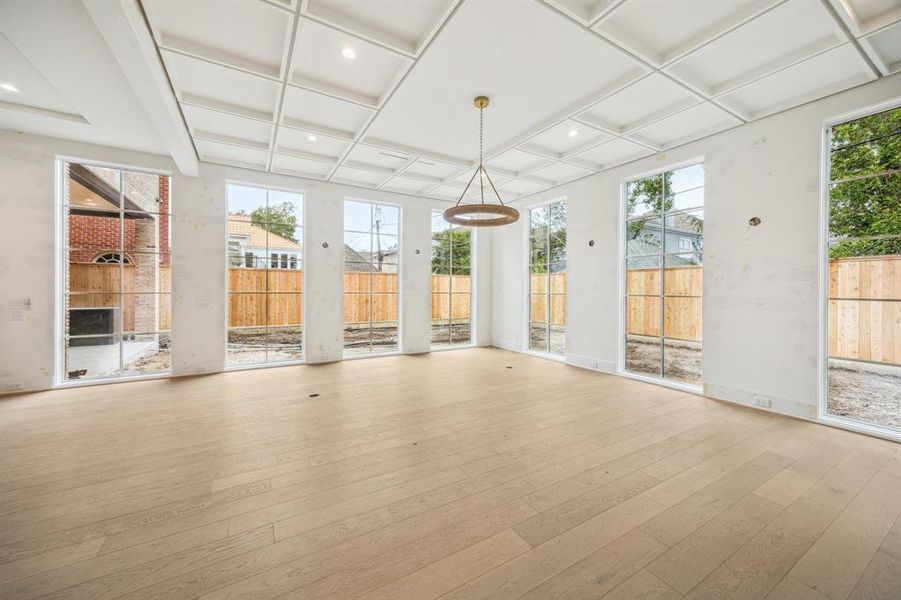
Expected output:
(450, 475)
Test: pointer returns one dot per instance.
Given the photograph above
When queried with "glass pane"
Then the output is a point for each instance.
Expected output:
(461, 281)
(441, 307)
(644, 355)
(538, 307)
(866, 207)
(145, 192)
(242, 279)
(384, 310)
(688, 199)
(384, 283)
(384, 339)
(386, 219)
(284, 280)
(682, 361)
(246, 345)
(557, 308)
(863, 391)
(284, 309)
(686, 178)
(853, 248)
(684, 275)
(285, 209)
(557, 278)
(643, 236)
(385, 253)
(94, 357)
(539, 248)
(247, 310)
(146, 313)
(643, 197)
(557, 250)
(357, 216)
(244, 200)
(539, 280)
(96, 237)
(441, 333)
(145, 274)
(643, 276)
(94, 315)
(461, 305)
(685, 232)
(461, 332)
(439, 225)
(857, 156)
(356, 310)
(557, 340)
(285, 343)
(682, 318)
(538, 336)
(643, 315)
(358, 247)
(866, 129)
(146, 353)
(557, 218)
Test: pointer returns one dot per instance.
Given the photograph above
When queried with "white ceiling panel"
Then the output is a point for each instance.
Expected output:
(690, 124)
(564, 137)
(660, 30)
(296, 140)
(319, 62)
(520, 187)
(825, 74)
(612, 153)
(201, 82)
(885, 48)
(432, 109)
(292, 165)
(865, 16)
(360, 176)
(446, 192)
(252, 35)
(516, 161)
(376, 157)
(431, 169)
(306, 107)
(406, 185)
(235, 155)
(203, 122)
(790, 32)
(653, 96)
(33, 88)
(560, 172)
(399, 23)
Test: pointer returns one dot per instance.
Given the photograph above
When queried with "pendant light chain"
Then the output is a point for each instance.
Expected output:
(461, 214)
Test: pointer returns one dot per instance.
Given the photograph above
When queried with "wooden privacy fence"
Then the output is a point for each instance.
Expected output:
(864, 300)
(865, 308)
(96, 285)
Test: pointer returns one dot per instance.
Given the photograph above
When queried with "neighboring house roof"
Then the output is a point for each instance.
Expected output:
(354, 261)
(240, 225)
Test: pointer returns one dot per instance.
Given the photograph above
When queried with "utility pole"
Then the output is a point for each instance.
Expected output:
(378, 237)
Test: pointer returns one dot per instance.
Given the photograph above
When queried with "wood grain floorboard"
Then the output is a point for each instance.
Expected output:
(404, 480)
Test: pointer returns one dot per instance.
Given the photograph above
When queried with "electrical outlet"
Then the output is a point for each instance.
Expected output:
(763, 401)
(593, 364)
(14, 386)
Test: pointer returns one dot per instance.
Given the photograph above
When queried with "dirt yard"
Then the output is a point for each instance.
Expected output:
(868, 396)
(681, 362)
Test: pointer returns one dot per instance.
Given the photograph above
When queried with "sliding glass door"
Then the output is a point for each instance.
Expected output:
(547, 278)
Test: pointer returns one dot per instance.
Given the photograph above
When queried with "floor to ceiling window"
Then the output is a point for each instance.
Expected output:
(265, 275)
(371, 273)
(547, 278)
(451, 283)
(664, 231)
(863, 284)
(116, 305)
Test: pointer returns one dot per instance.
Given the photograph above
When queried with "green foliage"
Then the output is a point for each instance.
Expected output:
(869, 207)
(278, 219)
(452, 250)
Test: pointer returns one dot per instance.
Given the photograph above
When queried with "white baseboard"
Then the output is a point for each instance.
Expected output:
(777, 404)
(592, 363)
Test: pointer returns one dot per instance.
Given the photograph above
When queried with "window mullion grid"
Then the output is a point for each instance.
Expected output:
(663, 215)
(121, 273)
(547, 324)
(371, 333)
(268, 273)
(450, 290)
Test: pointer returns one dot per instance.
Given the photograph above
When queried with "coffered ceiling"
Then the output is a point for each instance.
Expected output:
(379, 94)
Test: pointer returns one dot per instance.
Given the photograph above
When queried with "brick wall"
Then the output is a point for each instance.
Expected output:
(92, 235)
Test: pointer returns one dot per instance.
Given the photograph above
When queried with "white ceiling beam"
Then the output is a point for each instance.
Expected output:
(285, 71)
(124, 28)
(44, 112)
(332, 19)
(218, 57)
(840, 23)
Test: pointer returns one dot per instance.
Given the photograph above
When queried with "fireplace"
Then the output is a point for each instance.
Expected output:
(99, 322)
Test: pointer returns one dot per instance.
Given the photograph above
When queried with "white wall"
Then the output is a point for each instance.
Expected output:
(761, 285)
(27, 254)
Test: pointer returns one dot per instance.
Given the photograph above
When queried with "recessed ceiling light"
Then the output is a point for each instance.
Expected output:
(312, 138)
(573, 132)
(348, 53)
(8, 87)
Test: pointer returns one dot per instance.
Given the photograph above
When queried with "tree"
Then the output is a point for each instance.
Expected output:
(444, 258)
(865, 198)
(547, 237)
(278, 219)
(650, 195)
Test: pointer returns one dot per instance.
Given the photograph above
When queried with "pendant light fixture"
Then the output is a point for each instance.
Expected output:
(483, 214)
